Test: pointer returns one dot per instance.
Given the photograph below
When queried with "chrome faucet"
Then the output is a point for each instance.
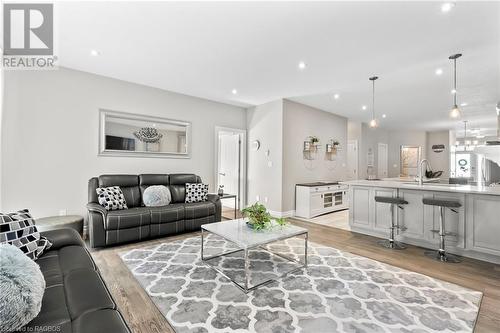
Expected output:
(420, 173)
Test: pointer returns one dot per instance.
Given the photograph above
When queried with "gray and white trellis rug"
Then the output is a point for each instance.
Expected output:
(339, 292)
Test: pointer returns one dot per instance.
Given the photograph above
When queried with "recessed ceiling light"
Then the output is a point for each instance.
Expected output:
(447, 6)
(363, 107)
(439, 71)
(94, 53)
(384, 115)
(336, 96)
(302, 65)
(234, 91)
(463, 104)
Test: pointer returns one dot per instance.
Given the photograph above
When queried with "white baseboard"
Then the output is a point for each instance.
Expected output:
(289, 213)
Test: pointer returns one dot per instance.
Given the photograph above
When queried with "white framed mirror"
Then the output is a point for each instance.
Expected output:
(128, 134)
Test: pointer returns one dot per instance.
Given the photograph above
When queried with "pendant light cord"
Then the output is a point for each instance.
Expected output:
(455, 81)
(373, 100)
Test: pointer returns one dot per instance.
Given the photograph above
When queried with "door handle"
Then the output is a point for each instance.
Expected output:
(222, 174)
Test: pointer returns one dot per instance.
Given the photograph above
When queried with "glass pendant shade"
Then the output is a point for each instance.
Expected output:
(455, 112)
(373, 123)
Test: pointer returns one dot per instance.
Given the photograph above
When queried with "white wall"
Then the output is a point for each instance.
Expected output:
(2, 99)
(264, 175)
(404, 138)
(50, 136)
(371, 137)
(439, 161)
(299, 122)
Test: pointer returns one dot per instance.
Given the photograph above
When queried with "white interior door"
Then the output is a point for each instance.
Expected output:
(229, 164)
(382, 161)
(352, 159)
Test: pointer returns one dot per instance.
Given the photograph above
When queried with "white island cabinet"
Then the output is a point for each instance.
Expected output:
(475, 226)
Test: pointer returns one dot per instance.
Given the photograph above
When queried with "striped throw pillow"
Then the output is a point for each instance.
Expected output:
(19, 229)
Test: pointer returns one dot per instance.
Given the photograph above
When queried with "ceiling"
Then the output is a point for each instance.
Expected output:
(207, 49)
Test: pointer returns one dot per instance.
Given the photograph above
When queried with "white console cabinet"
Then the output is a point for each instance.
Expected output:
(315, 199)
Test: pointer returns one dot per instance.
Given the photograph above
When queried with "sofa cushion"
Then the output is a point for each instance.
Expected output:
(199, 209)
(75, 292)
(129, 184)
(18, 229)
(54, 313)
(156, 196)
(106, 320)
(196, 192)
(123, 219)
(146, 180)
(21, 288)
(85, 291)
(178, 185)
(111, 198)
(55, 264)
(82, 291)
(165, 214)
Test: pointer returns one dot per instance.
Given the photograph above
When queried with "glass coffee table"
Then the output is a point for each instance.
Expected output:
(249, 254)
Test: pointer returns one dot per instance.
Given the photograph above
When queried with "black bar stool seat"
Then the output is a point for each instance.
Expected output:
(390, 200)
(441, 254)
(441, 203)
(391, 243)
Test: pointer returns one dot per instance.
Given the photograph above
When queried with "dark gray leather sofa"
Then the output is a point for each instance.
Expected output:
(76, 298)
(140, 222)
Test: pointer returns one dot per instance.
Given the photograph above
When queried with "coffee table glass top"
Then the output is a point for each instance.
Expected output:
(239, 233)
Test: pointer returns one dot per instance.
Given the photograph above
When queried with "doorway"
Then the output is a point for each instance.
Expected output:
(382, 161)
(230, 167)
(352, 160)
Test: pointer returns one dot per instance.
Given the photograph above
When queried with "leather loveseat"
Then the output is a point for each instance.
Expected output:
(76, 298)
(139, 222)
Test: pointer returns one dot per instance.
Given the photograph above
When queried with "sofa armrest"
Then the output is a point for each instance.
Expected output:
(215, 199)
(94, 207)
(63, 237)
(97, 217)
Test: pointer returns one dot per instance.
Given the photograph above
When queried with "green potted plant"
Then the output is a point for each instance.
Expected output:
(259, 218)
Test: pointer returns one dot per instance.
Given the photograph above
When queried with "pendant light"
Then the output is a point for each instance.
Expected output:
(455, 111)
(374, 121)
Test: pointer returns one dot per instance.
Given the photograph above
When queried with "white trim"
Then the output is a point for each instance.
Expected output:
(289, 213)
(386, 161)
(356, 147)
(242, 197)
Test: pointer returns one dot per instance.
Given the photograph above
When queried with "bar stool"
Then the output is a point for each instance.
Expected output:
(391, 243)
(441, 254)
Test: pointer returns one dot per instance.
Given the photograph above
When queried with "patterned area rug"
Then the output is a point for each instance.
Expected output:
(339, 292)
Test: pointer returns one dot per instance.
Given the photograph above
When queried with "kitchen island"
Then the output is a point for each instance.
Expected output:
(476, 226)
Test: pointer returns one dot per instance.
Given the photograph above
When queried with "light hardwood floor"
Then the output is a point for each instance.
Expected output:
(143, 316)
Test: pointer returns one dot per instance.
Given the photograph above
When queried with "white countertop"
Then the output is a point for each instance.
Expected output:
(438, 187)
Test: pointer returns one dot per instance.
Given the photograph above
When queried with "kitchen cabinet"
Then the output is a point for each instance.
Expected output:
(474, 228)
(314, 199)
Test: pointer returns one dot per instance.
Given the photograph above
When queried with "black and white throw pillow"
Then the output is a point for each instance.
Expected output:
(111, 198)
(196, 192)
(19, 229)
